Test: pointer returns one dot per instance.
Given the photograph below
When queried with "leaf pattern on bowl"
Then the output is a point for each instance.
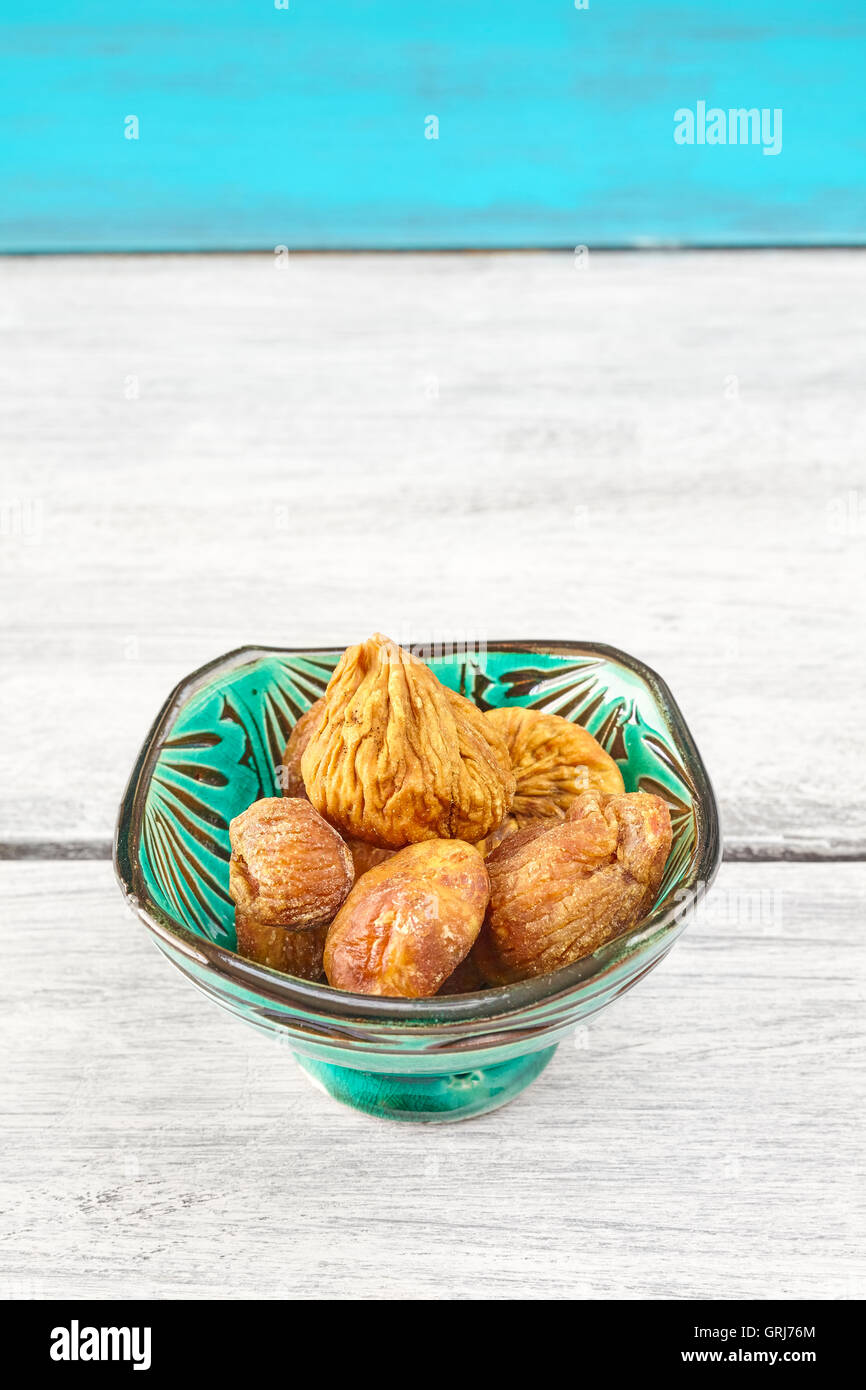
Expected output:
(223, 752)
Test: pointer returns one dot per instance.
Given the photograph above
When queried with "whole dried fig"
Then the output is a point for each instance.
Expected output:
(288, 868)
(466, 979)
(559, 890)
(292, 781)
(294, 952)
(408, 923)
(366, 856)
(553, 762)
(398, 758)
(495, 838)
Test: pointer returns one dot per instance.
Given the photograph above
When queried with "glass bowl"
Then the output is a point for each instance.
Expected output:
(217, 745)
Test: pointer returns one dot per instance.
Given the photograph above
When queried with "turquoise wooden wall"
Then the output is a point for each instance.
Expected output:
(305, 126)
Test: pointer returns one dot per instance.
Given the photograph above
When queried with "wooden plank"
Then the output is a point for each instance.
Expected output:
(661, 452)
(308, 125)
(702, 1137)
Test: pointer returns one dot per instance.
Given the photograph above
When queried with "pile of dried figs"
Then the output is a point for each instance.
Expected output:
(426, 847)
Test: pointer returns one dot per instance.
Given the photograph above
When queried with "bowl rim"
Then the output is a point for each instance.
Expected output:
(441, 1010)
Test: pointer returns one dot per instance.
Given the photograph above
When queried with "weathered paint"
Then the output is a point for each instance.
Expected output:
(307, 126)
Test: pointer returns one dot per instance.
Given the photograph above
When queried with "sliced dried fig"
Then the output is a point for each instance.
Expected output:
(288, 868)
(560, 890)
(408, 923)
(553, 762)
(398, 758)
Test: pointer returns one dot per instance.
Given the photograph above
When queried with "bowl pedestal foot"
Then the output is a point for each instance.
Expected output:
(427, 1099)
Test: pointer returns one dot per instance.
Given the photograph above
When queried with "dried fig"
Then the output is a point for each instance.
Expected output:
(559, 890)
(292, 781)
(294, 952)
(398, 758)
(466, 979)
(288, 868)
(366, 856)
(408, 923)
(553, 762)
(495, 838)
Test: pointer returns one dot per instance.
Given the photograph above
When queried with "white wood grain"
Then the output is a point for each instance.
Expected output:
(199, 452)
(704, 1138)
(658, 452)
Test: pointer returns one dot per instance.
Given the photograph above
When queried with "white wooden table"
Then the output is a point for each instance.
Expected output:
(661, 451)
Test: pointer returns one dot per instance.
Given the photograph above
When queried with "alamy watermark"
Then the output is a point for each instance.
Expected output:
(757, 911)
(77, 1343)
(463, 642)
(846, 515)
(736, 126)
(22, 519)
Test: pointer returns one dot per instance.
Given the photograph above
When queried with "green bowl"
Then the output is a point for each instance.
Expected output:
(217, 745)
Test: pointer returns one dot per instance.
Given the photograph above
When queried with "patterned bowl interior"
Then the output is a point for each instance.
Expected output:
(224, 748)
